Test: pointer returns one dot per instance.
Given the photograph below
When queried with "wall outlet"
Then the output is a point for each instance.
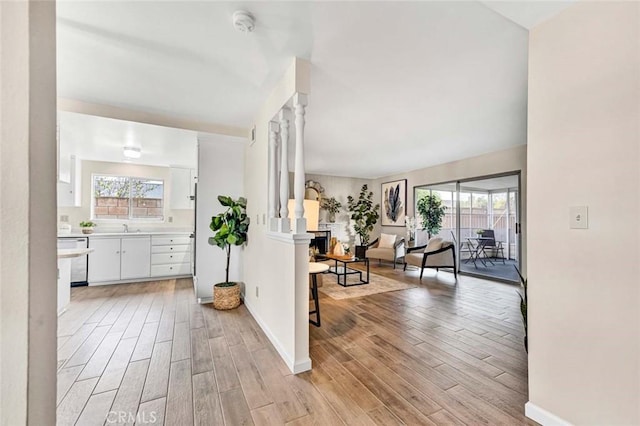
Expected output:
(170, 219)
(257, 291)
(64, 218)
(578, 217)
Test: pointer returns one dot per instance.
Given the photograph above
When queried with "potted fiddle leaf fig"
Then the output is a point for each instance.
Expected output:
(230, 229)
(365, 215)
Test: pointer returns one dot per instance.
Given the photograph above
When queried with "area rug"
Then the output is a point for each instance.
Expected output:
(377, 284)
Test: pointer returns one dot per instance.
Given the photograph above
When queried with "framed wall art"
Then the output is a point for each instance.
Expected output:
(394, 203)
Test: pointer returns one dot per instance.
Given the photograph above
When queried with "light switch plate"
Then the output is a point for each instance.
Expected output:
(578, 217)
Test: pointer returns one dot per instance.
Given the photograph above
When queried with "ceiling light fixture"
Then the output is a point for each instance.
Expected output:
(243, 21)
(131, 152)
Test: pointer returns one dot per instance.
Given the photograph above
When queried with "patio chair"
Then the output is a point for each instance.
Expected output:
(387, 247)
(489, 242)
(436, 254)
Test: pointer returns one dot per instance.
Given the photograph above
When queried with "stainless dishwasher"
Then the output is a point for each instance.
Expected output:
(79, 265)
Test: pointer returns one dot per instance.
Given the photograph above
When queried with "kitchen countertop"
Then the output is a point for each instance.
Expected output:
(75, 252)
(122, 234)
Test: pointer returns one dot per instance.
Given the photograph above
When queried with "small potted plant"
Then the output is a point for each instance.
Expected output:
(87, 226)
(347, 250)
(230, 228)
(332, 206)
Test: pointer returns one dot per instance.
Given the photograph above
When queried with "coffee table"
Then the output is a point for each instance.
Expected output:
(341, 270)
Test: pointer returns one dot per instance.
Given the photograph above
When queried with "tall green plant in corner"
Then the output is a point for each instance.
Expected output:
(230, 228)
(524, 304)
(431, 212)
(363, 213)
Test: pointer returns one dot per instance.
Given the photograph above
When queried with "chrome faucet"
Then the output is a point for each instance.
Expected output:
(126, 227)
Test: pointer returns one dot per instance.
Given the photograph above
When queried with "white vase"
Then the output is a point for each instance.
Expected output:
(338, 250)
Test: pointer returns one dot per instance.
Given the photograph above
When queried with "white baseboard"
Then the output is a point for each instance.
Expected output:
(542, 416)
(302, 366)
(295, 368)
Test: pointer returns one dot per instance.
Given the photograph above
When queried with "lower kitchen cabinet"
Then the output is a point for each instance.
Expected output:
(104, 261)
(138, 257)
(135, 261)
(170, 255)
(117, 259)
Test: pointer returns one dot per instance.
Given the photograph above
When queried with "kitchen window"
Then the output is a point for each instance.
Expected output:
(127, 198)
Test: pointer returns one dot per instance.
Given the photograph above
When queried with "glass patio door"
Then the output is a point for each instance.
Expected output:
(474, 206)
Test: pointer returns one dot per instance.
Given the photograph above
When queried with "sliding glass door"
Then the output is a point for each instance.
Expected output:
(476, 208)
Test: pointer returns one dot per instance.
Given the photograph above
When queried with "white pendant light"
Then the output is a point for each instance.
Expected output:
(131, 152)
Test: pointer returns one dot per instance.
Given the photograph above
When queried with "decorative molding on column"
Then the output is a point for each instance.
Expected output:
(283, 223)
(274, 130)
(299, 104)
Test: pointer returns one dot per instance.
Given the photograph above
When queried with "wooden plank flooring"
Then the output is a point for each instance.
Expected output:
(439, 353)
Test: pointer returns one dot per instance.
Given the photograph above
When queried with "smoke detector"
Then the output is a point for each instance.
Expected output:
(243, 21)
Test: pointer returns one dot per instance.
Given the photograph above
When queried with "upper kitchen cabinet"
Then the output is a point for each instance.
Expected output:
(182, 188)
(69, 191)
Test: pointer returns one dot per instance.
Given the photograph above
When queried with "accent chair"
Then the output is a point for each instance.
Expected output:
(436, 254)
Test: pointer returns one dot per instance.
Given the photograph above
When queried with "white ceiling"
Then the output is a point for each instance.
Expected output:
(102, 139)
(395, 86)
(492, 184)
(528, 13)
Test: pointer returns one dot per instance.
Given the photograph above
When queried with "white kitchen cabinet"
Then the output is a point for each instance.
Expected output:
(69, 191)
(193, 179)
(181, 188)
(104, 261)
(170, 255)
(119, 258)
(135, 258)
(64, 284)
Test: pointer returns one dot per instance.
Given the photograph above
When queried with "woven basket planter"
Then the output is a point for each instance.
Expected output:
(226, 297)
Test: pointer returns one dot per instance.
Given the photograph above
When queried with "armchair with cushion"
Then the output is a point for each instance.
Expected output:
(387, 247)
(436, 254)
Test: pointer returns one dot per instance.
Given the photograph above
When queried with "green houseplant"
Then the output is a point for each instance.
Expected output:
(523, 307)
(230, 229)
(332, 206)
(87, 226)
(365, 215)
(431, 212)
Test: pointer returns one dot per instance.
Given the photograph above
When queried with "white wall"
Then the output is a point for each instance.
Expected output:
(340, 188)
(183, 219)
(27, 222)
(221, 172)
(584, 139)
(271, 262)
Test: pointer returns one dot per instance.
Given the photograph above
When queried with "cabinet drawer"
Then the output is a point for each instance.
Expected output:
(166, 258)
(171, 249)
(168, 240)
(169, 270)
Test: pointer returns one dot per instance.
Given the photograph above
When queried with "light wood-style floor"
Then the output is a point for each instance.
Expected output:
(435, 354)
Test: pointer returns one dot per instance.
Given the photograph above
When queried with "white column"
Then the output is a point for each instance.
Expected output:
(299, 104)
(283, 223)
(274, 130)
